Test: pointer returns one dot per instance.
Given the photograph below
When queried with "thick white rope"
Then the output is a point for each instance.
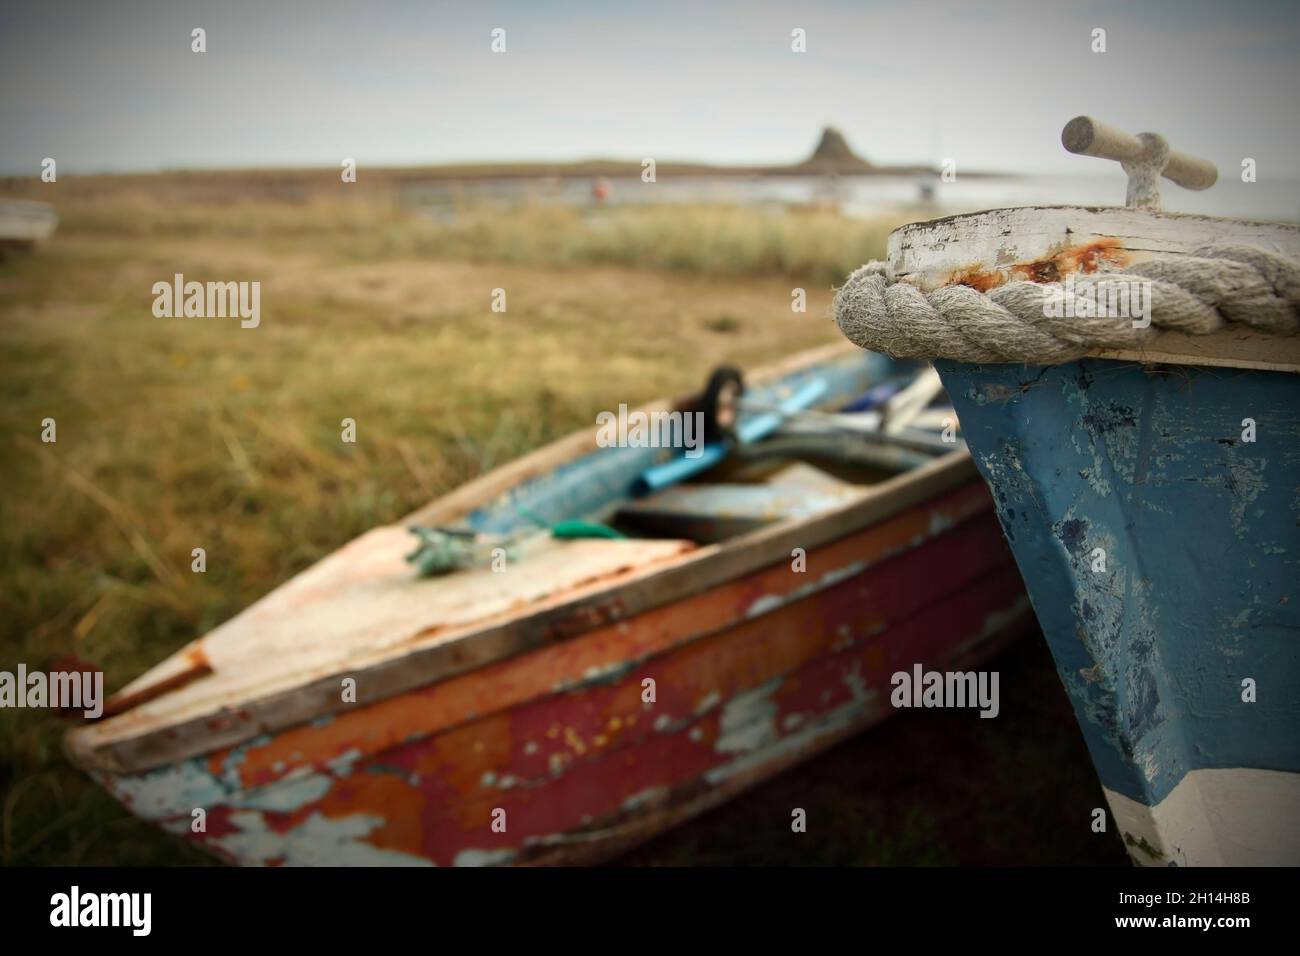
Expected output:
(1031, 322)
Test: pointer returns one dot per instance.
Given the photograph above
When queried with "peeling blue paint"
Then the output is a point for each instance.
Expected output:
(1200, 532)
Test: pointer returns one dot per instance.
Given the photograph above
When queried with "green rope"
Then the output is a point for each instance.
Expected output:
(444, 550)
(584, 529)
(441, 551)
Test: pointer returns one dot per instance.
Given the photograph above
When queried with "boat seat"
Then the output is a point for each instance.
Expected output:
(717, 511)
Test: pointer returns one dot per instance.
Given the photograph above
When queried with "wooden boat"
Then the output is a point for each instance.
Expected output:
(1149, 495)
(23, 223)
(597, 690)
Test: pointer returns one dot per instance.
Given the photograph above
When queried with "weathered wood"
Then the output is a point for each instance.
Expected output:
(846, 448)
(365, 599)
(154, 735)
(751, 676)
(1230, 347)
(986, 249)
(588, 658)
(1113, 484)
(1157, 539)
(210, 713)
(1087, 137)
(23, 222)
(911, 401)
(716, 511)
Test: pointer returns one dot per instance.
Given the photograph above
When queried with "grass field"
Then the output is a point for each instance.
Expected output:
(180, 433)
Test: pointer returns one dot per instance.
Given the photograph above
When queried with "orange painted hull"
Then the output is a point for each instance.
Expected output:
(588, 745)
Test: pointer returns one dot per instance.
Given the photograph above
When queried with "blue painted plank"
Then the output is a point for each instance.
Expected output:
(1201, 535)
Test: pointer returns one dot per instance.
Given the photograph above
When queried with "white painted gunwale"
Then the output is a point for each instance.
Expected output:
(930, 254)
(26, 220)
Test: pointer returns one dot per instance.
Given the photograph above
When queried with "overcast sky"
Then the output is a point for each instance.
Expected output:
(112, 84)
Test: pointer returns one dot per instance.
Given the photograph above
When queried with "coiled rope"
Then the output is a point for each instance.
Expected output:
(1034, 322)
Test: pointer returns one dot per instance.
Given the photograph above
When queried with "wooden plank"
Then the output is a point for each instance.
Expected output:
(365, 599)
(810, 478)
(1043, 243)
(717, 510)
(1229, 347)
(1046, 244)
(23, 222)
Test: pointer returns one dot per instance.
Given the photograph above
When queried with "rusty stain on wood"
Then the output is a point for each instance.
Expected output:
(976, 278)
(197, 666)
(1079, 259)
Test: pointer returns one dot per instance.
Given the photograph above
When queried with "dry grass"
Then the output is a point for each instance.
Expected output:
(816, 246)
(183, 433)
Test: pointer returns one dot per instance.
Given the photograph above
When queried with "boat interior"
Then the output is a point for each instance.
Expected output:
(802, 445)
